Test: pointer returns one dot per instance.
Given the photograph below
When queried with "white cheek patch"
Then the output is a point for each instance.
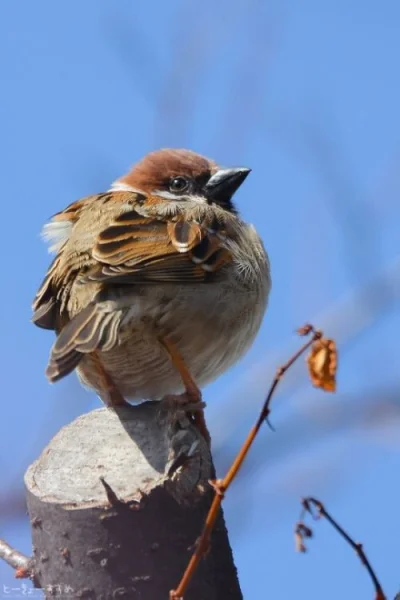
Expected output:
(167, 195)
(180, 197)
(56, 233)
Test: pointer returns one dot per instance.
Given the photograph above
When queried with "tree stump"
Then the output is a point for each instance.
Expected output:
(117, 501)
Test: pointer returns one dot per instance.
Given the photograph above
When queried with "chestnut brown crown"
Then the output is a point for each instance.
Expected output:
(182, 173)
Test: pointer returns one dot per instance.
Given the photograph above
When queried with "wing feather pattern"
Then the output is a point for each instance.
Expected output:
(137, 249)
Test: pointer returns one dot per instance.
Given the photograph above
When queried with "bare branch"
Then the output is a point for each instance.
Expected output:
(23, 564)
(221, 485)
(311, 504)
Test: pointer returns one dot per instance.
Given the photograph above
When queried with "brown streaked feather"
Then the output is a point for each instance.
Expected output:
(44, 305)
(90, 330)
(71, 212)
(133, 249)
(57, 370)
(50, 303)
(53, 294)
(45, 316)
(154, 250)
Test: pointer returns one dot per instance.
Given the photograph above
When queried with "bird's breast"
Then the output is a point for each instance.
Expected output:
(211, 325)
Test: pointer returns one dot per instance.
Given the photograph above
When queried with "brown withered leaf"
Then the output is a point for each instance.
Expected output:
(322, 364)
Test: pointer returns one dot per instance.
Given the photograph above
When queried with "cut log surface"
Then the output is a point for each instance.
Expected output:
(117, 501)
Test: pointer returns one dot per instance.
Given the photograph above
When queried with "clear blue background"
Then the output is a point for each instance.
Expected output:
(308, 95)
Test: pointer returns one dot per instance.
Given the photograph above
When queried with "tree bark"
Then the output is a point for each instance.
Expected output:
(117, 501)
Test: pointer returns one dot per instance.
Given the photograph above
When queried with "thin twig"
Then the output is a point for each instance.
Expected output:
(23, 564)
(221, 485)
(308, 505)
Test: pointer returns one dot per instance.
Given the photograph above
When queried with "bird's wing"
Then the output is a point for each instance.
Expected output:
(143, 249)
(133, 249)
(61, 273)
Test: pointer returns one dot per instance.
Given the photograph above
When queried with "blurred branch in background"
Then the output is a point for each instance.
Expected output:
(314, 138)
(134, 52)
(13, 503)
(173, 97)
(175, 103)
(192, 55)
(245, 96)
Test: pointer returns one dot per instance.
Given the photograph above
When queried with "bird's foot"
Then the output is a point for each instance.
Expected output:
(189, 406)
(184, 402)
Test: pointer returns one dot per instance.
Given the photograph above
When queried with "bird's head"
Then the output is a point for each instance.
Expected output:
(181, 175)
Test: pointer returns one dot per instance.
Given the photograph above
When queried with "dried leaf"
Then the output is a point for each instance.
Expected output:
(299, 542)
(322, 364)
(300, 533)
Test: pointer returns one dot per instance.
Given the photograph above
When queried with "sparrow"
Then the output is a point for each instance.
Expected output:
(157, 286)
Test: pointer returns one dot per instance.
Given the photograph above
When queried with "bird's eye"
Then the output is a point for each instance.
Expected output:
(178, 184)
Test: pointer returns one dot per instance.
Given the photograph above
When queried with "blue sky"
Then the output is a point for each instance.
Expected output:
(307, 95)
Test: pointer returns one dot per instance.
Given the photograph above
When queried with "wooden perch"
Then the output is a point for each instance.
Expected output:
(116, 501)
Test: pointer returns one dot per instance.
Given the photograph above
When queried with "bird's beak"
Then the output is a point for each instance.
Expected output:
(223, 184)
